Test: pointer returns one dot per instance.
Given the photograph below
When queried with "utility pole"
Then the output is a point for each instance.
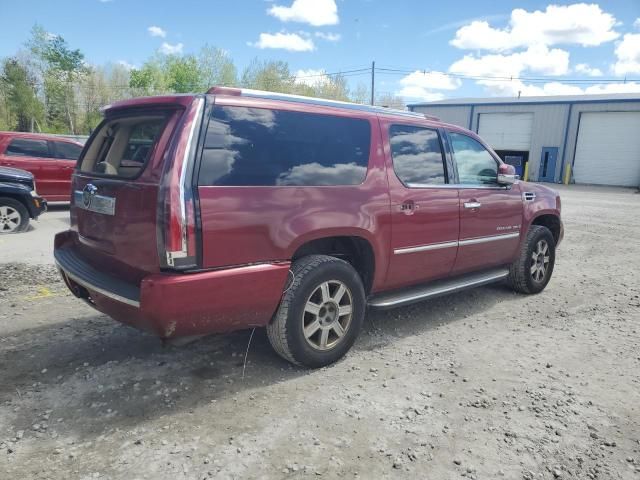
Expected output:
(373, 82)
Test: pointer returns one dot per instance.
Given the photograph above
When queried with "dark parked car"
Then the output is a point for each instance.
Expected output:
(18, 200)
(51, 159)
(253, 209)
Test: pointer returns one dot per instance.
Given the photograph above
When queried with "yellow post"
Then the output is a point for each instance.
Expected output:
(525, 177)
(567, 173)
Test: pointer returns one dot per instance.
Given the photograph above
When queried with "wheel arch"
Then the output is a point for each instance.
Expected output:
(550, 221)
(354, 249)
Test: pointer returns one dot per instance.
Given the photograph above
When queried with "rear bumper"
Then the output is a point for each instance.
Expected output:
(175, 305)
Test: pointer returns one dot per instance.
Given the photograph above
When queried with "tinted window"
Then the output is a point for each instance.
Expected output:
(475, 164)
(255, 146)
(24, 147)
(67, 151)
(417, 155)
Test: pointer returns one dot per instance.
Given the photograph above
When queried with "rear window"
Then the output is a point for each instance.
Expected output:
(26, 147)
(261, 147)
(417, 155)
(122, 146)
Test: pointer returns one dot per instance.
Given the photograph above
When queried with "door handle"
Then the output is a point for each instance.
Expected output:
(472, 204)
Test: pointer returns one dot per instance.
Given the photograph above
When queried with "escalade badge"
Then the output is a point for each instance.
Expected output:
(88, 193)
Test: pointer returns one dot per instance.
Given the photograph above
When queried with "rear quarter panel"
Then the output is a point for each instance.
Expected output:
(242, 225)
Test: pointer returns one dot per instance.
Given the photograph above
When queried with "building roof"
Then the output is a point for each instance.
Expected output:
(603, 98)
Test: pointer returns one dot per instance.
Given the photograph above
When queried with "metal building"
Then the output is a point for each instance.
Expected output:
(590, 139)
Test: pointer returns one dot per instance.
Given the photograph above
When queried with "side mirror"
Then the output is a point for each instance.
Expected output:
(506, 174)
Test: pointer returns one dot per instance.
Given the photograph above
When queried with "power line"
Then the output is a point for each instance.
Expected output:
(404, 71)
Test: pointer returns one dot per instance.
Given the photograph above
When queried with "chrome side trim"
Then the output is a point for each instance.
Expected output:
(459, 186)
(451, 286)
(454, 243)
(424, 248)
(491, 238)
(100, 290)
(528, 196)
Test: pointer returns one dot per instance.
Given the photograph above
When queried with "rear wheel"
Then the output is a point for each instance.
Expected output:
(321, 312)
(14, 216)
(533, 268)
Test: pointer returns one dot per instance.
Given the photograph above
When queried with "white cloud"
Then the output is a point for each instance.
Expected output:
(125, 64)
(537, 59)
(169, 49)
(637, 23)
(579, 23)
(311, 77)
(629, 87)
(286, 41)
(313, 12)
(156, 31)
(628, 55)
(421, 85)
(330, 37)
(585, 69)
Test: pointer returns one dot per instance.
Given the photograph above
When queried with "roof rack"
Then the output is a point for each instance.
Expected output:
(246, 92)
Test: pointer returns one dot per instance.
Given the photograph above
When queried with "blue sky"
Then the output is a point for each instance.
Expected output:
(436, 49)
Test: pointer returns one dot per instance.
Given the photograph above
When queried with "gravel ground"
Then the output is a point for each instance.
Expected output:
(484, 384)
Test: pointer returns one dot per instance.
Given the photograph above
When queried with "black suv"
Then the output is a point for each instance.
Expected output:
(19, 201)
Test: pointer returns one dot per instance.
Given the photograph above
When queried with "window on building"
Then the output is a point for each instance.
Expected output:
(261, 147)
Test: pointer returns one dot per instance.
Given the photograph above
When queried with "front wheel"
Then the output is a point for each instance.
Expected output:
(14, 217)
(321, 312)
(533, 268)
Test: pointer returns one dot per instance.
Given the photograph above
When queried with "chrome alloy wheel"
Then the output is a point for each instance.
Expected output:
(540, 261)
(10, 219)
(327, 315)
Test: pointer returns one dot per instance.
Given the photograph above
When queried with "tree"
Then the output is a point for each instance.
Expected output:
(23, 110)
(62, 68)
(273, 76)
(216, 68)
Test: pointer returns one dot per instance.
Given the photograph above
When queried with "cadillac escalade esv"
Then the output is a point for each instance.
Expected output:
(255, 209)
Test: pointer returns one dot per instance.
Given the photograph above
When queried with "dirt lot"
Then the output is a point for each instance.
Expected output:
(484, 384)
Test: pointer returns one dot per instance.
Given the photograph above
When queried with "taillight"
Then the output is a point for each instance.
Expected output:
(179, 219)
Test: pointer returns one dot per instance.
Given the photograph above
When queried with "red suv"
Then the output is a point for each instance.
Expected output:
(243, 209)
(50, 159)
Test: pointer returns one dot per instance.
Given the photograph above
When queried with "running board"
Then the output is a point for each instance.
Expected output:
(410, 295)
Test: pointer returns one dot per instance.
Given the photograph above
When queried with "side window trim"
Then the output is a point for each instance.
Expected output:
(455, 164)
(445, 166)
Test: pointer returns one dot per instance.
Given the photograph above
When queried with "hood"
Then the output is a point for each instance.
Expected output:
(15, 175)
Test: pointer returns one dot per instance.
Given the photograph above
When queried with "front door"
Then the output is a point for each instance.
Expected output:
(490, 214)
(424, 206)
(548, 164)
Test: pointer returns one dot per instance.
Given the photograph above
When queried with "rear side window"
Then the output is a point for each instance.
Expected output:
(26, 147)
(261, 147)
(67, 151)
(417, 155)
(122, 146)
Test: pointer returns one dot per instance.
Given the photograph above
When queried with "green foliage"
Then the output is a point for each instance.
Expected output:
(22, 107)
(51, 88)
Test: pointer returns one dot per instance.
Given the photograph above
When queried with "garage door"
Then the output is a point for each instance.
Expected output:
(608, 149)
(506, 131)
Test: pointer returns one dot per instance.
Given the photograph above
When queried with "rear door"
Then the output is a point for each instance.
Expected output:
(424, 206)
(115, 203)
(490, 214)
(66, 155)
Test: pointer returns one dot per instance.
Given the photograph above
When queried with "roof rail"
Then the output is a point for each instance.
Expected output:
(245, 92)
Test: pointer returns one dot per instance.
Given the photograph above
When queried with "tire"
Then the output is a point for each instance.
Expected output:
(532, 270)
(14, 216)
(314, 303)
